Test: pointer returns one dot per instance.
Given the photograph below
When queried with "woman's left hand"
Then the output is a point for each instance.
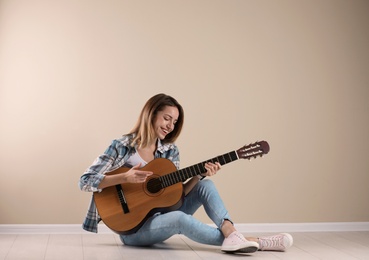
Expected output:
(211, 168)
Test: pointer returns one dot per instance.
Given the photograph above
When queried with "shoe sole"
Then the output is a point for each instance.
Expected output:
(249, 249)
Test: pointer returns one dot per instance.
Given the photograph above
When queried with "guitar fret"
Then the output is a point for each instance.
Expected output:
(203, 168)
(233, 156)
(167, 178)
(187, 176)
(171, 178)
(229, 158)
(198, 167)
(162, 179)
(184, 175)
(224, 160)
(175, 179)
(188, 170)
(192, 171)
(195, 169)
(221, 160)
(180, 175)
(165, 181)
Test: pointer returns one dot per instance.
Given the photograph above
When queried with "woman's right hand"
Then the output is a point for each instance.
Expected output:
(136, 175)
(133, 175)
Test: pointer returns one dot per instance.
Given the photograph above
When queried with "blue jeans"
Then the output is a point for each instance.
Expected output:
(162, 226)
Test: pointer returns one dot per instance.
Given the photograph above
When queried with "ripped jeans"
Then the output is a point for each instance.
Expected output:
(162, 226)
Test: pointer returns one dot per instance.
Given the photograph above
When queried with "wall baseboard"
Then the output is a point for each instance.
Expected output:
(244, 228)
(303, 227)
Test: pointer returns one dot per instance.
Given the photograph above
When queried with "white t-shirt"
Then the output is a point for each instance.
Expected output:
(135, 159)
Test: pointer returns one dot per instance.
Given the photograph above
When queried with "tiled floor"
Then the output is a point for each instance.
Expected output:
(313, 245)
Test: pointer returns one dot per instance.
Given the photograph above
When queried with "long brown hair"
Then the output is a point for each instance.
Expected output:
(144, 130)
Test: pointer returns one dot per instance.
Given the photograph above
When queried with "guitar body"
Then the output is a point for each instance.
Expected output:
(140, 201)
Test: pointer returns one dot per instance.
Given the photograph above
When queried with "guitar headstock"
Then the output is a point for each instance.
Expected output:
(253, 150)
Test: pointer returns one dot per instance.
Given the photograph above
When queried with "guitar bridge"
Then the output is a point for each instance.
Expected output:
(122, 198)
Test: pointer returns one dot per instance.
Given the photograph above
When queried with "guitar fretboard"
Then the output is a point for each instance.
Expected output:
(191, 171)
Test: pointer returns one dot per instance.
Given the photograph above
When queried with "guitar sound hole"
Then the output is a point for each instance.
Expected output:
(154, 185)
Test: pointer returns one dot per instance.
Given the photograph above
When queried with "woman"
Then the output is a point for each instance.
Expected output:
(159, 125)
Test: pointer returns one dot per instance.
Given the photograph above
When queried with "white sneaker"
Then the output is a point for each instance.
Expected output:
(280, 242)
(236, 242)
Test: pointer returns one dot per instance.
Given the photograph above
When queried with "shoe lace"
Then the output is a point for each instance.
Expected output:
(272, 242)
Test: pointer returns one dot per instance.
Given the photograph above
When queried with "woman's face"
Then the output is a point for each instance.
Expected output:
(165, 121)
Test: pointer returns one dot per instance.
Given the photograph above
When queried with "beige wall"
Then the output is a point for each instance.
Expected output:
(75, 74)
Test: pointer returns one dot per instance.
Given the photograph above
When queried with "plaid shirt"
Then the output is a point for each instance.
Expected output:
(115, 156)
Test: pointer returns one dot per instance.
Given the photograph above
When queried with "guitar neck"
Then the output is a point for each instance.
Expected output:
(197, 169)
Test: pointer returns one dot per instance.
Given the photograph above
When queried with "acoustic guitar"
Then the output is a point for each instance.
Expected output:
(124, 208)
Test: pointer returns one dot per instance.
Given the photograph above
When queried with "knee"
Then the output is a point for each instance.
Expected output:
(180, 220)
(178, 216)
(206, 188)
(207, 184)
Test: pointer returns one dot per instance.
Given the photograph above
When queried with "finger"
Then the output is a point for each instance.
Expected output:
(212, 168)
(207, 167)
(139, 180)
(219, 166)
(143, 173)
(136, 166)
(209, 170)
(211, 165)
(216, 166)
